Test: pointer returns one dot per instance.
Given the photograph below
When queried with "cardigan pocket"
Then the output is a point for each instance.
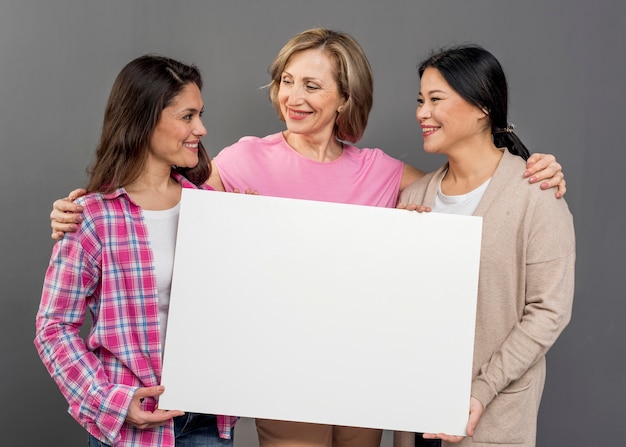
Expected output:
(510, 415)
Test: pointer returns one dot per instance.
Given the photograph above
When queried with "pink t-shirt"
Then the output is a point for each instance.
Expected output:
(271, 167)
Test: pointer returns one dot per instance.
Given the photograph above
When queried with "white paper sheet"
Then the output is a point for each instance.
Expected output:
(322, 312)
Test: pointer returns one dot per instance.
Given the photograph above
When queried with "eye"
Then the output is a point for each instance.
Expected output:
(434, 99)
(188, 117)
(285, 80)
(420, 101)
(312, 87)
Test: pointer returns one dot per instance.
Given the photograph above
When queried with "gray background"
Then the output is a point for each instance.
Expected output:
(565, 60)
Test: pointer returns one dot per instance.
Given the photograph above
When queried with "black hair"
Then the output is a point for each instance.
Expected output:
(476, 75)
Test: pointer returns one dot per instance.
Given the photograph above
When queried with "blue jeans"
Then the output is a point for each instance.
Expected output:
(199, 430)
(190, 430)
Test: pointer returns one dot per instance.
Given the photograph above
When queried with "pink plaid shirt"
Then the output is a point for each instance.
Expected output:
(107, 267)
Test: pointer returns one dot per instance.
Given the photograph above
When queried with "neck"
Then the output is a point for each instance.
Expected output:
(154, 190)
(318, 148)
(470, 168)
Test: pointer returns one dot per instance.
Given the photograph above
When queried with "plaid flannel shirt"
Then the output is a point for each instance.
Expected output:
(107, 267)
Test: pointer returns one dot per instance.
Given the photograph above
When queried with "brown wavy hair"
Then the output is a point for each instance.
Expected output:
(141, 91)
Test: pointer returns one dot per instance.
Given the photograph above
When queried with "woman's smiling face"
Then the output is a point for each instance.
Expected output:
(308, 95)
(446, 119)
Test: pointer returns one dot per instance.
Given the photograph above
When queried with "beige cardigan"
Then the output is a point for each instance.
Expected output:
(525, 293)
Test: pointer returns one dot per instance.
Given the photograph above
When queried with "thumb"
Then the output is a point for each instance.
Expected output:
(152, 391)
(476, 411)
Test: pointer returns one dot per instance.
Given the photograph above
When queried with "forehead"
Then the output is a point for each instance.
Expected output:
(313, 62)
(188, 98)
(433, 79)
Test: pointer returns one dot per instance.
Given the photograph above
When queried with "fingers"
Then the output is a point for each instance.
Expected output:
(65, 215)
(75, 194)
(65, 205)
(414, 207)
(57, 235)
(538, 162)
(545, 169)
(561, 189)
(151, 391)
(476, 411)
(444, 437)
(253, 192)
(145, 419)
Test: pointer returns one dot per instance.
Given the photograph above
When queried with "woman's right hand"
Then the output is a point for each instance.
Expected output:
(143, 419)
(66, 215)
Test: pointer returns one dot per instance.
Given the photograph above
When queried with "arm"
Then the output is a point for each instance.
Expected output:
(214, 180)
(67, 215)
(71, 279)
(71, 285)
(549, 292)
(538, 167)
(410, 174)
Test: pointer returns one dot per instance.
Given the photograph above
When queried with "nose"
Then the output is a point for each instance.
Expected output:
(296, 93)
(199, 129)
(422, 112)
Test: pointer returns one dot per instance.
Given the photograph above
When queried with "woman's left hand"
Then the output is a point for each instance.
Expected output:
(545, 167)
(476, 411)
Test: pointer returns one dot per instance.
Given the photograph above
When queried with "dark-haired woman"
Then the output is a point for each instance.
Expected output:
(118, 266)
(526, 282)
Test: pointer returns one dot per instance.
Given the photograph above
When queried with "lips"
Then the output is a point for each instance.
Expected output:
(429, 130)
(297, 114)
(192, 146)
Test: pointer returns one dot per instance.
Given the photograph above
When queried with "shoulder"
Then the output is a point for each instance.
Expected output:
(373, 158)
(98, 207)
(251, 142)
(512, 188)
(368, 153)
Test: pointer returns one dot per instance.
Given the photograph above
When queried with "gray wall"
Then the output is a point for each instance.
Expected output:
(565, 61)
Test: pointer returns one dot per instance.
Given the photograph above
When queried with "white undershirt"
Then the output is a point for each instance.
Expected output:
(464, 204)
(162, 227)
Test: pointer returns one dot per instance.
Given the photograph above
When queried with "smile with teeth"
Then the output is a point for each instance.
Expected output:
(192, 145)
(297, 113)
(427, 130)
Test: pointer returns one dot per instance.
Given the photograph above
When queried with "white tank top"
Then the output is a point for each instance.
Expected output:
(464, 204)
(162, 227)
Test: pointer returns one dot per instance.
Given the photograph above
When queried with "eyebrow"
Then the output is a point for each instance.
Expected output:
(191, 110)
(309, 78)
(430, 92)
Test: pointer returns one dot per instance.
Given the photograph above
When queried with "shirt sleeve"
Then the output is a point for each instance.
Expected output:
(71, 280)
(548, 300)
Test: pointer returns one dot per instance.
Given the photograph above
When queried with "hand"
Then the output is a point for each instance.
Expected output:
(142, 419)
(414, 207)
(66, 215)
(253, 192)
(476, 411)
(545, 167)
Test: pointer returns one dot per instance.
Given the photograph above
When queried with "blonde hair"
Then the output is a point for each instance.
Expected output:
(352, 72)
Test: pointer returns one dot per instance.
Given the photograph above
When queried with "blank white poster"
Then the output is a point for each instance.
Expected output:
(322, 312)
